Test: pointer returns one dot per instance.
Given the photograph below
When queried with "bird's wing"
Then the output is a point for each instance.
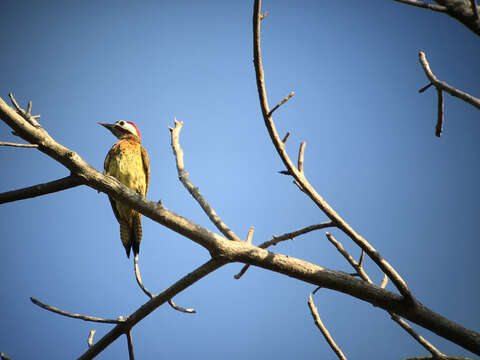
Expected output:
(146, 167)
(106, 165)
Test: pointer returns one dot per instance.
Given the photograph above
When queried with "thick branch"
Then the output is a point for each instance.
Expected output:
(299, 176)
(41, 189)
(183, 176)
(463, 11)
(224, 250)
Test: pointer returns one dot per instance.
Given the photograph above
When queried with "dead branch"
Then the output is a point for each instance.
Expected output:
(288, 236)
(75, 316)
(41, 189)
(90, 338)
(3, 143)
(324, 330)
(139, 278)
(440, 85)
(300, 178)
(440, 113)
(224, 250)
(150, 306)
(420, 339)
(285, 99)
(358, 268)
(183, 177)
(131, 356)
(149, 294)
(423, 5)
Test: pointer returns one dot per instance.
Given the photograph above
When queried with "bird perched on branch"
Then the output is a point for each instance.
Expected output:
(128, 162)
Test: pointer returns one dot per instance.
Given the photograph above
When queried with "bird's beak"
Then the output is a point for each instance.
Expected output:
(108, 126)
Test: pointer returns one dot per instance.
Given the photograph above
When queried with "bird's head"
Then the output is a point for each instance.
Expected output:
(122, 128)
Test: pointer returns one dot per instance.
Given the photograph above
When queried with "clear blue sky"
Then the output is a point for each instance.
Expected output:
(371, 152)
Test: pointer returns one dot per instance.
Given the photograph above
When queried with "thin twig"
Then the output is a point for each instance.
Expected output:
(301, 153)
(285, 138)
(181, 309)
(288, 236)
(323, 329)
(139, 278)
(443, 85)
(349, 258)
(263, 15)
(3, 143)
(440, 113)
(306, 187)
(425, 88)
(421, 4)
(90, 338)
(75, 316)
(250, 235)
(4, 356)
(285, 99)
(150, 306)
(183, 177)
(362, 256)
(41, 189)
(420, 339)
(384, 281)
(27, 115)
(131, 356)
(150, 295)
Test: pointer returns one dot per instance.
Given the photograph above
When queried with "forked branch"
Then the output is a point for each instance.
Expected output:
(300, 178)
(184, 179)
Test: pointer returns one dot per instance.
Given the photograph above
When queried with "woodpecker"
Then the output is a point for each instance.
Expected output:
(128, 162)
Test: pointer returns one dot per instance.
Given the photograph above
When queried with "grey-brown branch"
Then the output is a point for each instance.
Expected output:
(224, 251)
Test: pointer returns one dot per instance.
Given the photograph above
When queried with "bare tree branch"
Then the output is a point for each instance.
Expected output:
(90, 338)
(75, 316)
(463, 11)
(183, 177)
(41, 189)
(250, 235)
(324, 330)
(285, 99)
(421, 4)
(3, 356)
(150, 306)
(181, 309)
(444, 86)
(301, 179)
(473, 3)
(425, 343)
(349, 258)
(131, 356)
(139, 278)
(3, 143)
(27, 115)
(149, 294)
(225, 251)
(440, 113)
(287, 236)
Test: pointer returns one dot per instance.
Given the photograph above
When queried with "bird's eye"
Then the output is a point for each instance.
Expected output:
(122, 122)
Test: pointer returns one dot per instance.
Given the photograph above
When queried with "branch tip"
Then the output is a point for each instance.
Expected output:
(90, 338)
